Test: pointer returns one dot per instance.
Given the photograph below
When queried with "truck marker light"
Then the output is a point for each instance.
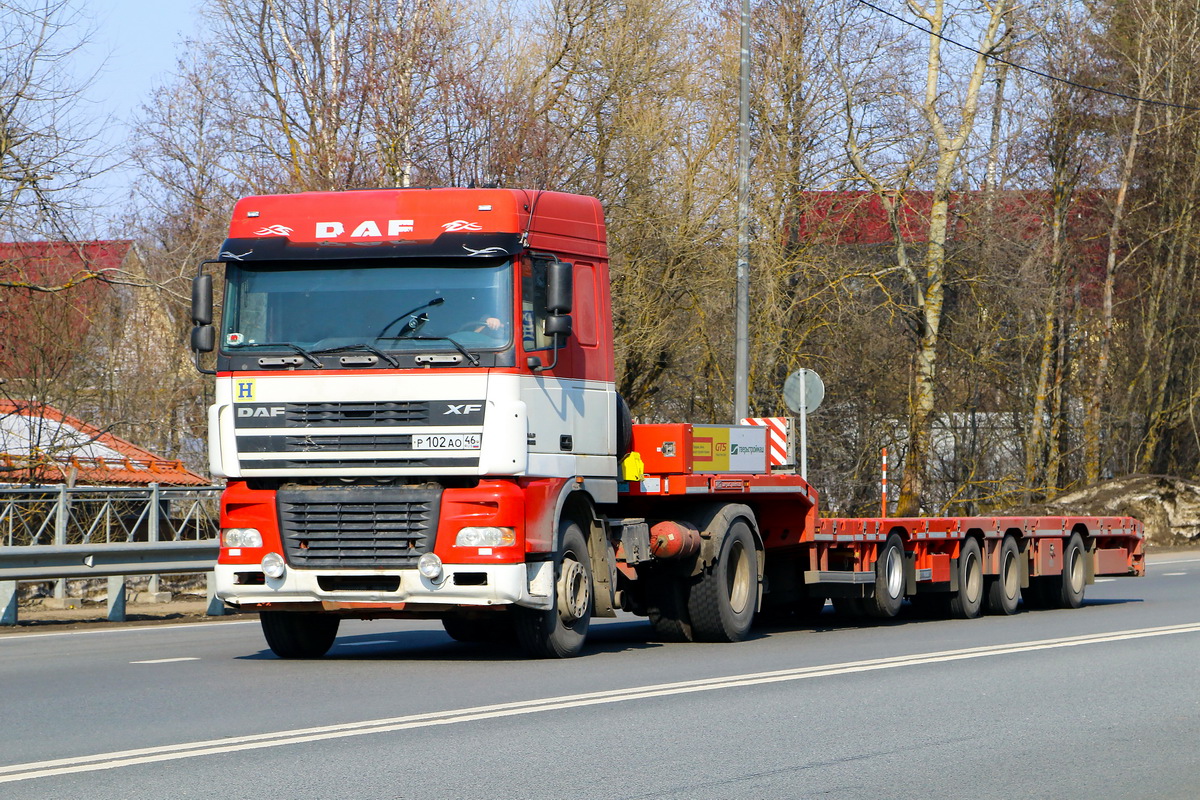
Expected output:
(273, 565)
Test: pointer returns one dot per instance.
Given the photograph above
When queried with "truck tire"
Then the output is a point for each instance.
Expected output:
(721, 605)
(967, 602)
(493, 629)
(1074, 577)
(1064, 590)
(561, 631)
(298, 634)
(667, 597)
(1004, 589)
(624, 428)
(889, 580)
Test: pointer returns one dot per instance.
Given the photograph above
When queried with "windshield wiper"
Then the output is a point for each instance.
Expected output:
(306, 353)
(471, 357)
(370, 348)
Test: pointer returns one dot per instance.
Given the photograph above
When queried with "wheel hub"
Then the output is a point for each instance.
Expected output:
(574, 591)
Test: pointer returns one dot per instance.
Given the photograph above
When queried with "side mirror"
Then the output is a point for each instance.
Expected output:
(204, 338)
(202, 301)
(558, 287)
(558, 326)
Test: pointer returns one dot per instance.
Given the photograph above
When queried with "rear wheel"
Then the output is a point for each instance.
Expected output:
(559, 632)
(668, 601)
(722, 605)
(889, 580)
(1074, 577)
(967, 602)
(1004, 590)
(1064, 590)
(298, 634)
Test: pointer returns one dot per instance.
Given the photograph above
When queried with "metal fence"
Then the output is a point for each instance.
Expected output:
(59, 532)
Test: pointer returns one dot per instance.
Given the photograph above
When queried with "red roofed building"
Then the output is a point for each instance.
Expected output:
(41, 445)
(50, 295)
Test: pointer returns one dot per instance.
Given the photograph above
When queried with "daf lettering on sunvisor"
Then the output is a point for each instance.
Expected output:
(463, 408)
(261, 411)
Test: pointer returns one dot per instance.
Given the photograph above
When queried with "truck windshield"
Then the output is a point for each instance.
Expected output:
(413, 306)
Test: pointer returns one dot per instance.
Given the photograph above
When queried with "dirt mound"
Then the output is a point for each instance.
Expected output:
(1168, 506)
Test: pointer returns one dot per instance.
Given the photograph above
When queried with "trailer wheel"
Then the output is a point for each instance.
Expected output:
(889, 580)
(722, 605)
(967, 602)
(1065, 590)
(560, 631)
(668, 602)
(298, 634)
(1004, 590)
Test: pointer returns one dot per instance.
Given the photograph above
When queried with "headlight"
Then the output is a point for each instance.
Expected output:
(485, 537)
(241, 537)
(273, 566)
(430, 566)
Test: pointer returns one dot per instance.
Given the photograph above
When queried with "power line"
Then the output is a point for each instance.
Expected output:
(1030, 70)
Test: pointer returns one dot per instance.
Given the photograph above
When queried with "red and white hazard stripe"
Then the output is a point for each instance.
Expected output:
(779, 430)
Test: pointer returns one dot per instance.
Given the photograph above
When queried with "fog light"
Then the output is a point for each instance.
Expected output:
(273, 565)
(241, 537)
(430, 566)
(489, 536)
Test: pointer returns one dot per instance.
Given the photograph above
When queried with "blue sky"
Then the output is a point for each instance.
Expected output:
(132, 50)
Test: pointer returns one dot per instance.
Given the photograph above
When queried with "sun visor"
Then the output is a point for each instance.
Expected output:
(458, 245)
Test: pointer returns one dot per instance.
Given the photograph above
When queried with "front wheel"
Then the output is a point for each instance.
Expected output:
(560, 631)
(722, 604)
(298, 634)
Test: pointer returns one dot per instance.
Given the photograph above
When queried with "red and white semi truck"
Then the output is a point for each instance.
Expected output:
(416, 416)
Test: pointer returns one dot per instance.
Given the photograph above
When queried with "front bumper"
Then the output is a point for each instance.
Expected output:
(530, 585)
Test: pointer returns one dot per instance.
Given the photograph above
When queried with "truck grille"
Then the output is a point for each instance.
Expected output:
(358, 527)
(323, 415)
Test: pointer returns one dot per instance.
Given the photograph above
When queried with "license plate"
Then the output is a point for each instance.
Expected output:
(446, 441)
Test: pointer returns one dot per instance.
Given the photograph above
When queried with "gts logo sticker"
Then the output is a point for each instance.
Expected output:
(463, 408)
(261, 411)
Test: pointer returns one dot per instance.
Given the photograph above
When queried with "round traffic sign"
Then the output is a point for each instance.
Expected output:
(803, 390)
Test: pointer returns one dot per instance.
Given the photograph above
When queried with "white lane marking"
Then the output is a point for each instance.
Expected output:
(1171, 574)
(166, 660)
(1174, 561)
(1105, 580)
(234, 744)
(365, 644)
(12, 637)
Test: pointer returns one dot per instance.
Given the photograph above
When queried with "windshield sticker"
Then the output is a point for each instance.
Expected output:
(235, 256)
(235, 338)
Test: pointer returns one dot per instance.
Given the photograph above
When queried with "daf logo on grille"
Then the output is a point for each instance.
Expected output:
(262, 411)
(463, 408)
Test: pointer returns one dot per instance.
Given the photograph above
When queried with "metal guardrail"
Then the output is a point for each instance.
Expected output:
(50, 562)
(60, 532)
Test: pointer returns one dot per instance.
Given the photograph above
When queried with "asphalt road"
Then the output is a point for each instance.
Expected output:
(1098, 702)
